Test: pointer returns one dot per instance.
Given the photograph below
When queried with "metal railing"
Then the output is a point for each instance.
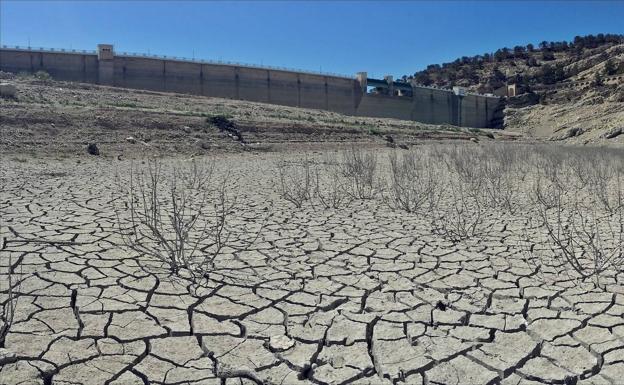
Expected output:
(55, 50)
(231, 63)
(433, 87)
(181, 59)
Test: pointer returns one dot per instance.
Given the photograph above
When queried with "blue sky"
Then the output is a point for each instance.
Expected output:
(344, 37)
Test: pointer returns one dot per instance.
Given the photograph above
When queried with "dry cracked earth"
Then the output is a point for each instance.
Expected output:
(360, 295)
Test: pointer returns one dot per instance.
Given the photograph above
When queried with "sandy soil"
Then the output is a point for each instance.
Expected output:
(360, 294)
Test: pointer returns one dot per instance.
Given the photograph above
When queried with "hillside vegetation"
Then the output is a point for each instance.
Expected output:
(588, 112)
(584, 58)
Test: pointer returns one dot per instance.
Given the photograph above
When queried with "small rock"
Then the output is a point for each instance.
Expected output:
(489, 135)
(281, 343)
(93, 149)
(6, 354)
(474, 140)
(613, 133)
(7, 90)
(131, 139)
(570, 380)
(572, 132)
(338, 362)
(389, 138)
(403, 146)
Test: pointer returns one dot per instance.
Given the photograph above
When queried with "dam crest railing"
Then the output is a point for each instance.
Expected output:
(180, 59)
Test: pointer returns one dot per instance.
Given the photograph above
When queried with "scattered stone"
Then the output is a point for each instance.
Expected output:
(131, 139)
(226, 125)
(6, 354)
(572, 132)
(613, 133)
(338, 362)
(474, 140)
(281, 343)
(389, 139)
(93, 149)
(8, 90)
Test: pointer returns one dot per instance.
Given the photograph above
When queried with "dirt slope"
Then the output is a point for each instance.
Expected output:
(573, 116)
(50, 117)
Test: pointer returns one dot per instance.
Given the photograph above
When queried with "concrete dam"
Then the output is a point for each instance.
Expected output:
(356, 96)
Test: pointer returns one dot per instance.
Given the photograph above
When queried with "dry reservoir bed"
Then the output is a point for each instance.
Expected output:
(423, 276)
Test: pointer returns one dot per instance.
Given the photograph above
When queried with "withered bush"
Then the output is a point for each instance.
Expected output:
(503, 174)
(461, 216)
(359, 167)
(415, 182)
(295, 181)
(330, 187)
(10, 284)
(458, 214)
(580, 209)
(178, 214)
(589, 242)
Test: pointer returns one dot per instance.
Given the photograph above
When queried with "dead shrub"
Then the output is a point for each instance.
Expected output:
(461, 217)
(9, 296)
(415, 182)
(592, 173)
(503, 175)
(295, 181)
(179, 215)
(459, 214)
(359, 167)
(605, 184)
(330, 186)
(577, 198)
(590, 243)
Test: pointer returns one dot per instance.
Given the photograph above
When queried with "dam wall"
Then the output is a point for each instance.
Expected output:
(435, 106)
(60, 65)
(342, 94)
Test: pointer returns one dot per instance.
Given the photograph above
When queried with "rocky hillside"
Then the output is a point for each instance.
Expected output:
(567, 90)
(584, 58)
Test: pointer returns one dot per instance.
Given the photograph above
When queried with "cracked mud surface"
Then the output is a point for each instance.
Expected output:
(361, 295)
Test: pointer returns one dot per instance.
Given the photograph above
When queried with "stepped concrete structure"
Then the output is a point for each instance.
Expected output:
(357, 96)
